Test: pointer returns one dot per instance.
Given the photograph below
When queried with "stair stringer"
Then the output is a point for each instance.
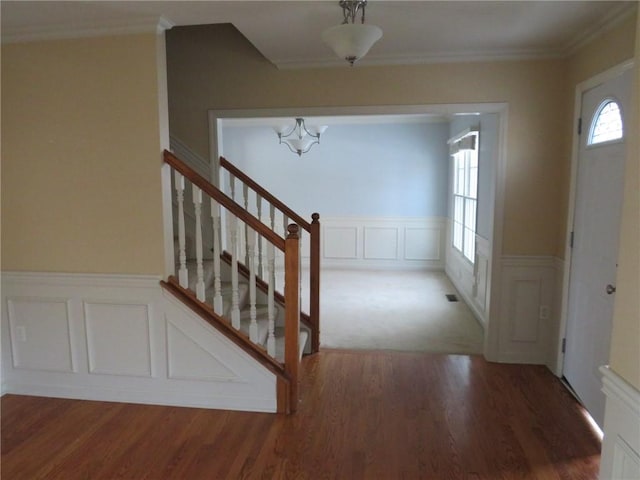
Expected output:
(229, 378)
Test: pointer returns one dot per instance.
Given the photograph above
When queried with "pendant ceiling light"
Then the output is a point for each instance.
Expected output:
(299, 138)
(352, 40)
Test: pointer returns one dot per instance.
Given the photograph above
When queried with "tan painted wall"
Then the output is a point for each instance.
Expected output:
(625, 341)
(214, 67)
(81, 155)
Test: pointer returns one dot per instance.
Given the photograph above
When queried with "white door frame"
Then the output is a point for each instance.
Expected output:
(492, 326)
(581, 88)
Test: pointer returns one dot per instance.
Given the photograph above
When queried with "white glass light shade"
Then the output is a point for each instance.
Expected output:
(317, 130)
(300, 144)
(351, 41)
(281, 129)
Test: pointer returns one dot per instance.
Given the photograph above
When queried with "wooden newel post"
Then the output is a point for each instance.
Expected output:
(314, 282)
(292, 312)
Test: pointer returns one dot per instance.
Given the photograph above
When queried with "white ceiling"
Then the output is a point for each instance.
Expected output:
(288, 32)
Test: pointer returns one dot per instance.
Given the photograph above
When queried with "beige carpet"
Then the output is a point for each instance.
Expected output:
(389, 310)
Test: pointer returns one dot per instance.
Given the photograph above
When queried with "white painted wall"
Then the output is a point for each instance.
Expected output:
(372, 170)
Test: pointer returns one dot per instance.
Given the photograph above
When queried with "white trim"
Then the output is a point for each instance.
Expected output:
(138, 373)
(101, 29)
(186, 154)
(491, 337)
(462, 134)
(613, 385)
(532, 261)
(614, 17)
(425, 59)
(81, 279)
(527, 304)
(404, 251)
(497, 221)
(620, 457)
(575, 148)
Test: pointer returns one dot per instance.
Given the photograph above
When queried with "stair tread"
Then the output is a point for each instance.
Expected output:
(303, 336)
(263, 329)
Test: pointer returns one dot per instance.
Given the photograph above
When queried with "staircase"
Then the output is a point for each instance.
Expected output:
(229, 256)
(262, 313)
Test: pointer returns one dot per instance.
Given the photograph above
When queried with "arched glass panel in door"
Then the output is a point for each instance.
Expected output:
(607, 123)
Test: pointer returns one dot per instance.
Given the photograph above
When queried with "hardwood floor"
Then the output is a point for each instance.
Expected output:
(362, 415)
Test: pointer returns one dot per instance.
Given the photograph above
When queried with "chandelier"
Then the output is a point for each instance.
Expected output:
(352, 40)
(300, 138)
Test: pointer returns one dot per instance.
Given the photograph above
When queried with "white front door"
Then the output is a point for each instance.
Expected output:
(596, 229)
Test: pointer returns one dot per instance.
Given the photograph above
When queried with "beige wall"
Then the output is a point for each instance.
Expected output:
(81, 156)
(625, 342)
(214, 67)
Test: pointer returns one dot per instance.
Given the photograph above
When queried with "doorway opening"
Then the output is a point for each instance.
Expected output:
(390, 240)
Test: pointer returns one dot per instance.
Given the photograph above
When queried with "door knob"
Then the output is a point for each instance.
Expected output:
(610, 289)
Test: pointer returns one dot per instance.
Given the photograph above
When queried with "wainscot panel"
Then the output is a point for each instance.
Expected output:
(527, 313)
(383, 242)
(120, 338)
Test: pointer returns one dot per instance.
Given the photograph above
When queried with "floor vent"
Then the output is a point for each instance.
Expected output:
(451, 297)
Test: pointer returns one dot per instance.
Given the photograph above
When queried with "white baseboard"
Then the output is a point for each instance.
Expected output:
(121, 338)
(620, 459)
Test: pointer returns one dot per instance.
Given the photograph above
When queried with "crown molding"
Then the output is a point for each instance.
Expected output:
(421, 59)
(607, 22)
(615, 16)
(99, 29)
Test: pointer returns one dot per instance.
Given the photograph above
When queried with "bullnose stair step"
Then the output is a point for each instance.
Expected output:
(302, 338)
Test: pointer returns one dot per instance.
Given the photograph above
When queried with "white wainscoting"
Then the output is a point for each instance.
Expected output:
(121, 338)
(383, 242)
(471, 280)
(528, 313)
(620, 458)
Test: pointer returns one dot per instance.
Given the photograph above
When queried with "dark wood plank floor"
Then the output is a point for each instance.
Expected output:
(363, 415)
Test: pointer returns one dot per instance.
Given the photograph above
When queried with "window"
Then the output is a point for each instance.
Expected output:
(607, 124)
(465, 194)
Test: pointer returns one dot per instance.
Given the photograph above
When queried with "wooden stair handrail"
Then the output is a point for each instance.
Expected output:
(256, 187)
(235, 208)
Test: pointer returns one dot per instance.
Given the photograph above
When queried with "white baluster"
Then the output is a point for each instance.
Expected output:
(232, 193)
(260, 252)
(183, 275)
(271, 310)
(272, 224)
(235, 296)
(285, 224)
(197, 206)
(251, 244)
(232, 186)
(217, 285)
(245, 202)
(272, 217)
